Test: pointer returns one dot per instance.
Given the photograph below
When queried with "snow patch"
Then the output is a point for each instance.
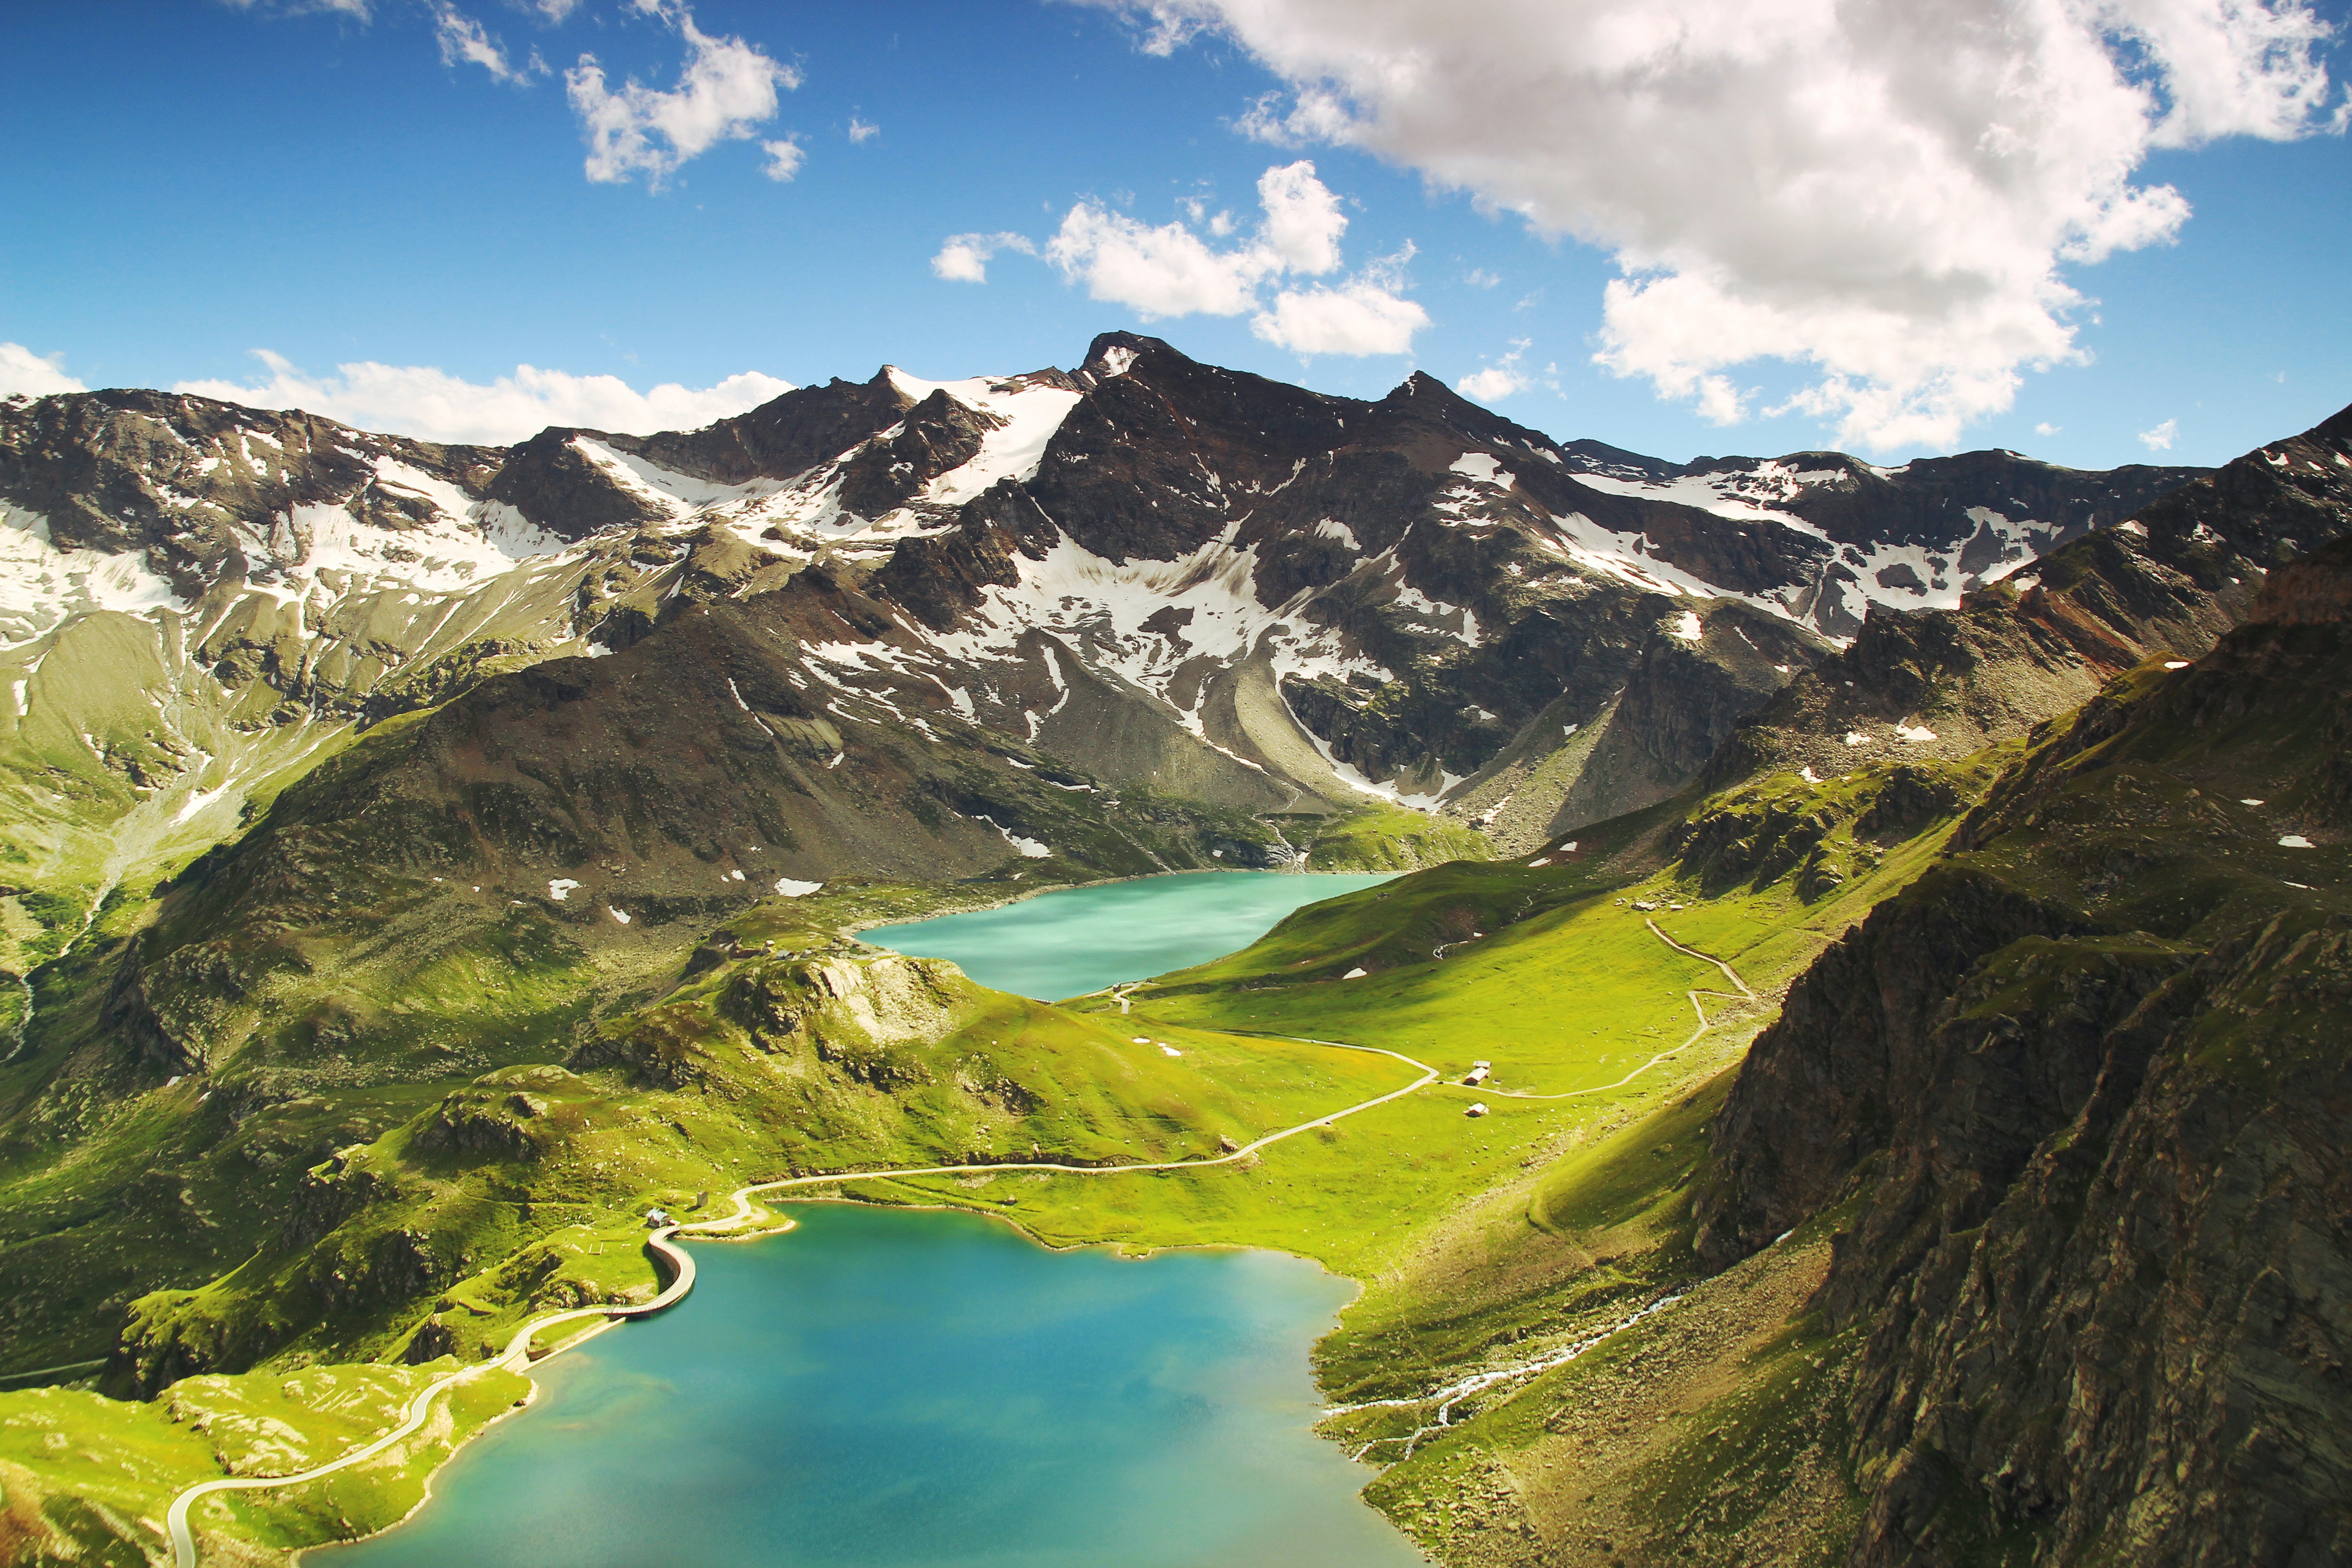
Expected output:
(788, 889)
(2297, 841)
(560, 888)
(1028, 414)
(619, 915)
(1331, 528)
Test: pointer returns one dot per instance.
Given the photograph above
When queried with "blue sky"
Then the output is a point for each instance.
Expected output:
(206, 179)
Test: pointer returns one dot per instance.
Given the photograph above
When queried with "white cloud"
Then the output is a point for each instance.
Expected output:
(463, 38)
(1482, 278)
(1172, 270)
(1359, 318)
(2161, 439)
(1498, 380)
(964, 257)
(556, 11)
(2047, 428)
(1886, 195)
(24, 373)
(727, 88)
(1303, 221)
(862, 132)
(784, 159)
(1164, 271)
(432, 405)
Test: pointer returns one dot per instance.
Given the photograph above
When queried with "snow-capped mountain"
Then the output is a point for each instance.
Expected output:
(1144, 572)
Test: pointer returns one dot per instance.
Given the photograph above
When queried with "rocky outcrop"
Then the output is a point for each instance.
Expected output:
(1857, 1045)
(2081, 1093)
(485, 1124)
(2136, 1353)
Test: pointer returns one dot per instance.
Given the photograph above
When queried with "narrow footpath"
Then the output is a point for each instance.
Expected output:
(1704, 1024)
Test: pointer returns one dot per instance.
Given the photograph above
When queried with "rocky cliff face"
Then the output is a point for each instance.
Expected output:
(2084, 1086)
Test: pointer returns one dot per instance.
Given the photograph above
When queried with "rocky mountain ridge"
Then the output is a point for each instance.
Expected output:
(1274, 597)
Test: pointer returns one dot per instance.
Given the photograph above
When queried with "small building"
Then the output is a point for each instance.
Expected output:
(1477, 1075)
(657, 1218)
(1479, 1109)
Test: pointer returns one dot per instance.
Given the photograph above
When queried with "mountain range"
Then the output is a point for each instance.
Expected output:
(353, 784)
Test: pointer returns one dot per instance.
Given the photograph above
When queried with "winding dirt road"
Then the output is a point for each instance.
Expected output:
(516, 1355)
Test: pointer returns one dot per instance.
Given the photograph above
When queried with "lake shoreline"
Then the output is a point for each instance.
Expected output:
(762, 1220)
(322, 1554)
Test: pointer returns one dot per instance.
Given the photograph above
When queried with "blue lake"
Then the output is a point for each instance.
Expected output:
(1083, 939)
(914, 1389)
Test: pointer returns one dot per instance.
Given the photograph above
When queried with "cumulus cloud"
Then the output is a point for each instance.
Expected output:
(24, 373)
(2161, 439)
(1176, 268)
(431, 405)
(726, 90)
(1163, 272)
(1498, 380)
(861, 132)
(1354, 318)
(964, 257)
(1888, 196)
(1303, 221)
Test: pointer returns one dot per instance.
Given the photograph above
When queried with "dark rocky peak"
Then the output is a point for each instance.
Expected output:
(553, 481)
(783, 436)
(1114, 354)
(1583, 457)
(935, 434)
(1978, 497)
(1423, 406)
(1154, 461)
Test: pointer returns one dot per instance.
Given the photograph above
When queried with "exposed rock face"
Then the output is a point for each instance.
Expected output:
(2084, 1086)
(498, 1126)
(2171, 579)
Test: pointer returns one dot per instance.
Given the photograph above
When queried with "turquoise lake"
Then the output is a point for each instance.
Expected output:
(1083, 939)
(923, 1389)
